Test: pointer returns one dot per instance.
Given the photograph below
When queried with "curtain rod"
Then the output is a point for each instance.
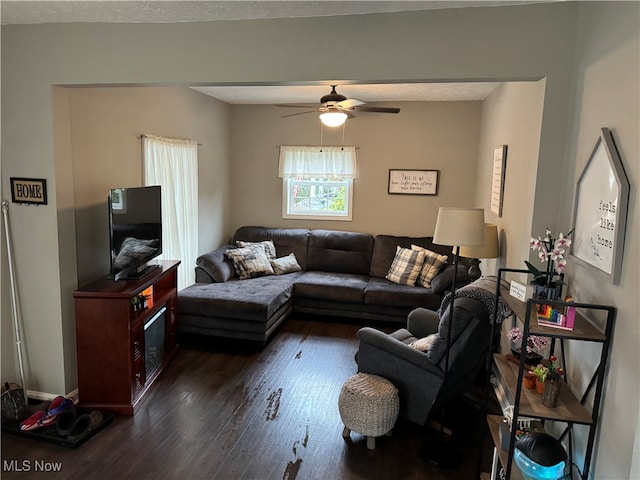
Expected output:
(318, 146)
(147, 136)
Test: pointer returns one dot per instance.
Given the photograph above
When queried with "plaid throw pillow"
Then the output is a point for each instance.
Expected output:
(249, 262)
(405, 267)
(433, 262)
(267, 245)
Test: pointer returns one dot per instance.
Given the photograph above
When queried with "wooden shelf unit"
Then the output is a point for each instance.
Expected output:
(110, 338)
(570, 409)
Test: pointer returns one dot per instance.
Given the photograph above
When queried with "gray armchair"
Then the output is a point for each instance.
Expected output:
(419, 376)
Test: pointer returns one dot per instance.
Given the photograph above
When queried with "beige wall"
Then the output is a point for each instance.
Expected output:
(607, 94)
(512, 116)
(424, 135)
(526, 42)
(106, 151)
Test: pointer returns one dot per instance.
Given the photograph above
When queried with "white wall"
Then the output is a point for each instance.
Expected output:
(424, 135)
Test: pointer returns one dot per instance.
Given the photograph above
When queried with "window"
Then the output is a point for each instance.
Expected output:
(173, 164)
(317, 183)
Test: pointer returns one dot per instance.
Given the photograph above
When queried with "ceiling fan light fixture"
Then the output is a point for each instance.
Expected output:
(333, 118)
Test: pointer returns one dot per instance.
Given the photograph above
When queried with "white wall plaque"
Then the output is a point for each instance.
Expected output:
(600, 211)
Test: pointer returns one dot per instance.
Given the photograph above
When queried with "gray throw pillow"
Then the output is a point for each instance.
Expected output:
(288, 264)
(267, 245)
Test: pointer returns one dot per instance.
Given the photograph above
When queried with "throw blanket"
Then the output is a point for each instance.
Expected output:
(484, 290)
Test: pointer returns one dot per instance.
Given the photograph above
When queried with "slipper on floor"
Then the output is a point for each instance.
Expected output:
(66, 421)
(46, 417)
(84, 424)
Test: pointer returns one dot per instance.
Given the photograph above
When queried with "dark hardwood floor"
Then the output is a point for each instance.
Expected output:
(226, 411)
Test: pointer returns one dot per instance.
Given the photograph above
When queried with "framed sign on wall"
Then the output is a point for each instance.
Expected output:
(497, 178)
(600, 211)
(413, 182)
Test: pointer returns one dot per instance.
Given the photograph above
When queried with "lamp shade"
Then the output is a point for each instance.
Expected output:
(459, 226)
(333, 118)
(490, 247)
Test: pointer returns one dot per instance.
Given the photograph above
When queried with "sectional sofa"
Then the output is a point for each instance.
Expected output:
(342, 274)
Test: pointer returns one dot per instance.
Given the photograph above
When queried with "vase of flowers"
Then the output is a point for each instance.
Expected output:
(535, 344)
(552, 383)
(548, 283)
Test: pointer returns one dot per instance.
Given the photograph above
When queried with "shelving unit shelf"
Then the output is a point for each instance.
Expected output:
(570, 408)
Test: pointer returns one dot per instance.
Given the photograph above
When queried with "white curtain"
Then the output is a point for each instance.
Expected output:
(337, 163)
(173, 164)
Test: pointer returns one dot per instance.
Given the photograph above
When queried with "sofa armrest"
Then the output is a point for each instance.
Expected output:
(370, 337)
(422, 322)
(214, 266)
(443, 280)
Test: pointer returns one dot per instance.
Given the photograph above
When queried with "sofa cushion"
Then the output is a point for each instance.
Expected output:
(286, 264)
(380, 291)
(384, 251)
(342, 287)
(250, 262)
(406, 266)
(216, 264)
(286, 240)
(255, 299)
(342, 252)
(433, 262)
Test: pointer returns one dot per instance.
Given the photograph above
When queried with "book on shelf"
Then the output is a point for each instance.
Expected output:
(550, 317)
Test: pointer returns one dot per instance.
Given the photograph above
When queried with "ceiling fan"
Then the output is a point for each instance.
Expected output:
(335, 108)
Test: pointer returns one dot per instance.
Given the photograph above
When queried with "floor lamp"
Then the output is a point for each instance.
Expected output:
(487, 250)
(460, 227)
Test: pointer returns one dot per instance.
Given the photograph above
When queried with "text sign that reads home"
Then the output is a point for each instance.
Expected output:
(413, 182)
(519, 291)
(29, 190)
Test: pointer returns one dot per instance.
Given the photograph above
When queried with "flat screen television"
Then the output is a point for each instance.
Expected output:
(135, 229)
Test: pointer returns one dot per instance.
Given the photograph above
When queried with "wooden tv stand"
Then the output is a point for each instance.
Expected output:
(110, 338)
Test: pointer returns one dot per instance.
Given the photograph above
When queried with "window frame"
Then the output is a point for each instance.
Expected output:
(325, 215)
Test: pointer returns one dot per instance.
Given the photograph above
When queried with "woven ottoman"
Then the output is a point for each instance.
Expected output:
(368, 405)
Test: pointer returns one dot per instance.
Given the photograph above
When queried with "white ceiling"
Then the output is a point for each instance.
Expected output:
(388, 92)
(161, 11)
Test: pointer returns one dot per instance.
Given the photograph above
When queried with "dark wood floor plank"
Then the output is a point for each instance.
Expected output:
(230, 410)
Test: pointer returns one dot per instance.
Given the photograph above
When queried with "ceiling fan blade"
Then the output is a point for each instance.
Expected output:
(299, 113)
(350, 103)
(296, 105)
(367, 108)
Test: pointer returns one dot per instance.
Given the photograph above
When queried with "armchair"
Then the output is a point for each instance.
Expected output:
(419, 375)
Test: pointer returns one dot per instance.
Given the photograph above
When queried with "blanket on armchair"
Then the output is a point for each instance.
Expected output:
(483, 290)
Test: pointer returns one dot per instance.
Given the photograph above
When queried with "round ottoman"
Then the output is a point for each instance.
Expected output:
(368, 405)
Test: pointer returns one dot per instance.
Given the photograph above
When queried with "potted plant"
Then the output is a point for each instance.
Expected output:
(529, 380)
(548, 283)
(535, 344)
(541, 371)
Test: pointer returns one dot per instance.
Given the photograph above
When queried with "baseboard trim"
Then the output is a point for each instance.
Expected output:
(44, 396)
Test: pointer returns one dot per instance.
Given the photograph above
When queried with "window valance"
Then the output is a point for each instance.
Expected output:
(337, 163)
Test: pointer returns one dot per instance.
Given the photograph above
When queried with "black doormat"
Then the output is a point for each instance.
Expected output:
(49, 433)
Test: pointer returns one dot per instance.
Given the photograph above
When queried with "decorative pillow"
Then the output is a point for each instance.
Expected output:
(249, 262)
(433, 262)
(269, 247)
(405, 267)
(135, 249)
(424, 344)
(288, 264)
